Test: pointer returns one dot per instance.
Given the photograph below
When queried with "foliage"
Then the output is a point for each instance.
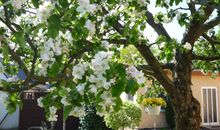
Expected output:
(91, 121)
(128, 116)
(77, 48)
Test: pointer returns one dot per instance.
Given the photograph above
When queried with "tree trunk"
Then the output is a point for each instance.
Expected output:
(186, 107)
(187, 115)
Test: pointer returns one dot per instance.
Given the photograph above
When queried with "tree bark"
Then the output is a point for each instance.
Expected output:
(186, 107)
(187, 115)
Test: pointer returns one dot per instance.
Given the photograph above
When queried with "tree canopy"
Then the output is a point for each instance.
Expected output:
(78, 47)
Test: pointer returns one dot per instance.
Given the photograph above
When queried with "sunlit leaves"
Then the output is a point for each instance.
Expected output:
(53, 26)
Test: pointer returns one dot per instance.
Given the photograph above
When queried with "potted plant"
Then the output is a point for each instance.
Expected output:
(153, 105)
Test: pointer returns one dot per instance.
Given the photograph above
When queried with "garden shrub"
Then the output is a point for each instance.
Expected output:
(128, 116)
(91, 121)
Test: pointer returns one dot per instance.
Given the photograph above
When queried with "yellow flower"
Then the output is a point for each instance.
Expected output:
(153, 102)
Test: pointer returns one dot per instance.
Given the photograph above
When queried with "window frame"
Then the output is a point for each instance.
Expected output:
(202, 103)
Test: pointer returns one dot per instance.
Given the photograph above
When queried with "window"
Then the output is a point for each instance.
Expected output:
(209, 106)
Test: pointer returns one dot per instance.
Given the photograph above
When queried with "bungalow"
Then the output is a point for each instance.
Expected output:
(205, 89)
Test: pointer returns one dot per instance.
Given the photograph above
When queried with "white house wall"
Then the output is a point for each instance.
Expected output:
(12, 120)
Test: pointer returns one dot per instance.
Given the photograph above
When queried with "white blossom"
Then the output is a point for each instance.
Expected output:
(79, 70)
(93, 89)
(108, 102)
(85, 6)
(105, 44)
(80, 88)
(162, 45)
(67, 36)
(64, 101)
(39, 102)
(167, 19)
(44, 11)
(90, 26)
(187, 46)
(42, 68)
(17, 4)
(77, 111)
(201, 12)
(53, 116)
(100, 63)
(134, 73)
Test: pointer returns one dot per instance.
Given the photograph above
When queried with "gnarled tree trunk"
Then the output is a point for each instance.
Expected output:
(186, 107)
(187, 114)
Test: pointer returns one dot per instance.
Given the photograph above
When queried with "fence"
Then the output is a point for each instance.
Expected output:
(32, 115)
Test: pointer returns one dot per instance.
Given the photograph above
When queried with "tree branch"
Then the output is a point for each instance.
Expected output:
(196, 28)
(18, 59)
(212, 23)
(17, 88)
(210, 40)
(205, 58)
(156, 67)
(76, 55)
(117, 41)
(157, 27)
(192, 7)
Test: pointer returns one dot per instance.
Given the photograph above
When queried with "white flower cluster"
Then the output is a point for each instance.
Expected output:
(81, 88)
(85, 6)
(138, 75)
(53, 116)
(44, 11)
(187, 46)
(77, 111)
(65, 101)
(100, 62)
(52, 47)
(106, 104)
(91, 27)
(96, 81)
(79, 70)
(39, 102)
(17, 4)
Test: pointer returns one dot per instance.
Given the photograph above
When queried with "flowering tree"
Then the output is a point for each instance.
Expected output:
(76, 46)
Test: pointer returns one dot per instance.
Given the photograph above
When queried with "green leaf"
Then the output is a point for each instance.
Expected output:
(63, 92)
(131, 87)
(54, 69)
(64, 3)
(178, 1)
(11, 108)
(171, 2)
(53, 26)
(118, 103)
(36, 3)
(5, 52)
(118, 88)
(66, 111)
(19, 38)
